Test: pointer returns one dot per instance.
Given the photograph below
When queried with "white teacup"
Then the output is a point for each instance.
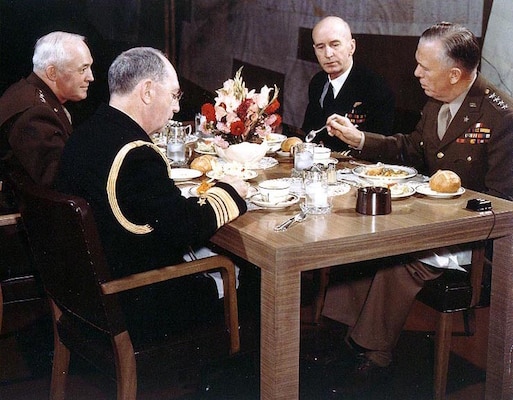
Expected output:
(274, 190)
(321, 154)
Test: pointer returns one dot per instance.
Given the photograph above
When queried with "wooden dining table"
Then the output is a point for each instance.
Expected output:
(345, 237)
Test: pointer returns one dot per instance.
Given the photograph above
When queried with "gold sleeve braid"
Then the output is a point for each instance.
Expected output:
(224, 206)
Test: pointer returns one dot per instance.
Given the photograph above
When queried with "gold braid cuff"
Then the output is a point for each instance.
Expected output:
(225, 208)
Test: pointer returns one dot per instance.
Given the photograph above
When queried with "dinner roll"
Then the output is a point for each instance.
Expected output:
(445, 181)
(202, 163)
(288, 143)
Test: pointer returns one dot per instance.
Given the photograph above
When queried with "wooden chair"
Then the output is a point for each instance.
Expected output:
(87, 314)
(22, 298)
(456, 292)
(452, 292)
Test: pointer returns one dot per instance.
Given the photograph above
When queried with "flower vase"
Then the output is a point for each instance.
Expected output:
(245, 153)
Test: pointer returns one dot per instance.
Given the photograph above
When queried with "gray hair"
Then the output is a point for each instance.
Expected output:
(460, 44)
(51, 49)
(134, 65)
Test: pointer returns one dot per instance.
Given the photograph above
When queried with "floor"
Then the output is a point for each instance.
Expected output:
(26, 361)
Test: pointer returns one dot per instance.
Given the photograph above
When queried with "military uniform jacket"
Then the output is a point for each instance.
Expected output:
(478, 144)
(365, 99)
(145, 193)
(33, 128)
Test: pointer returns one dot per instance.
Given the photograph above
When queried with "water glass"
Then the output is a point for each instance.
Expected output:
(303, 156)
(177, 150)
(317, 199)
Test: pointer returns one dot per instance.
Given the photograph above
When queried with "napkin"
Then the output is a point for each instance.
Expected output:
(453, 257)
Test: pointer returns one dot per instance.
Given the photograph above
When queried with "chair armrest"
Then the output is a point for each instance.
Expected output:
(174, 271)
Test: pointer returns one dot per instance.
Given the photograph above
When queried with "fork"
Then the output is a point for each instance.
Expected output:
(300, 217)
(311, 135)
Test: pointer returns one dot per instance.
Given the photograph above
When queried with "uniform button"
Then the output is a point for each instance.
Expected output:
(469, 158)
(440, 155)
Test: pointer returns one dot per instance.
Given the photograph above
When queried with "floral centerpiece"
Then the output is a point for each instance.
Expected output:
(241, 115)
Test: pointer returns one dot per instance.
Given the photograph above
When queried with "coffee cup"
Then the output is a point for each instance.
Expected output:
(274, 191)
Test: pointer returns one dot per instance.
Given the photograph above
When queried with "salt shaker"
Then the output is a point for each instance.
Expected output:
(332, 174)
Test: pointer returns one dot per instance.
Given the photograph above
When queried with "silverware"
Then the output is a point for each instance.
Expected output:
(311, 135)
(300, 217)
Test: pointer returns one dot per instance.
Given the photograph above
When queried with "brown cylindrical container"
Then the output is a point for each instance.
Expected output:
(374, 200)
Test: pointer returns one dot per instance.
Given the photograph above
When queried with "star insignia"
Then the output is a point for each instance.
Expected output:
(202, 201)
(466, 118)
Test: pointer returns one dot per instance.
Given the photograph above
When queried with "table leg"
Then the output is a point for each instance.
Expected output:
(280, 330)
(499, 376)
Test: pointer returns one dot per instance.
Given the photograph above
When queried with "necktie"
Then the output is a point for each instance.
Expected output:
(444, 118)
(329, 98)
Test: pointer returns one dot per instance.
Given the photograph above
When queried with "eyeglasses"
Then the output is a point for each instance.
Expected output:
(177, 96)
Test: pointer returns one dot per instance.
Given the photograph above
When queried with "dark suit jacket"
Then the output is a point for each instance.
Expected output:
(145, 194)
(477, 145)
(365, 99)
(33, 128)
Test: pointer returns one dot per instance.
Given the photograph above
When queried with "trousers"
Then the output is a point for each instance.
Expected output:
(376, 304)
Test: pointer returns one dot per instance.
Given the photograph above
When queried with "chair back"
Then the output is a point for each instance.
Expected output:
(68, 254)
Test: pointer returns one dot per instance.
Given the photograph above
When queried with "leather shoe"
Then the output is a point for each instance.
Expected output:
(365, 377)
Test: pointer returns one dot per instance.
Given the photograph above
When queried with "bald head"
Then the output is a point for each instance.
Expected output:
(334, 45)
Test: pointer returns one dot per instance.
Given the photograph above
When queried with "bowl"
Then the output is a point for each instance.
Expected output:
(243, 153)
(321, 153)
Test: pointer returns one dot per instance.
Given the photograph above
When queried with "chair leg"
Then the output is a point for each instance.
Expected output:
(126, 372)
(1, 308)
(469, 322)
(324, 277)
(60, 366)
(442, 353)
(231, 312)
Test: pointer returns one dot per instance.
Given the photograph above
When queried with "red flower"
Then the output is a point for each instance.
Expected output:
(273, 107)
(237, 128)
(209, 112)
(277, 121)
(242, 109)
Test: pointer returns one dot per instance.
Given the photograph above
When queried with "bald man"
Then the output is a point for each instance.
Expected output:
(358, 92)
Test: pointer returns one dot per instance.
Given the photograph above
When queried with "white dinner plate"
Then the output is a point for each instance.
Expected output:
(210, 153)
(184, 174)
(326, 161)
(274, 138)
(401, 191)
(406, 172)
(282, 153)
(193, 191)
(257, 199)
(338, 189)
(245, 175)
(426, 191)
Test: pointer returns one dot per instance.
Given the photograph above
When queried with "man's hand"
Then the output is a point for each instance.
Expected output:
(343, 129)
(238, 184)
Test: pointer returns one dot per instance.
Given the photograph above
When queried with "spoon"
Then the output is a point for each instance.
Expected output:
(300, 217)
(311, 135)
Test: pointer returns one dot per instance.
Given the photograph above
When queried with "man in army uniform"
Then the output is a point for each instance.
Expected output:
(475, 141)
(34, 124)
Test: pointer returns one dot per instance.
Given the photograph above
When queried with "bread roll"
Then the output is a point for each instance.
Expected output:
(445, 181)
(202, 163)
(287, 144)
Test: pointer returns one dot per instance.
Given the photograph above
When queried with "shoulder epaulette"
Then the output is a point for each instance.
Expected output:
(496, 100)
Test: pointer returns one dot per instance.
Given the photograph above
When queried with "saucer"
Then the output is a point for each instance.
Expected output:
(257, 200)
